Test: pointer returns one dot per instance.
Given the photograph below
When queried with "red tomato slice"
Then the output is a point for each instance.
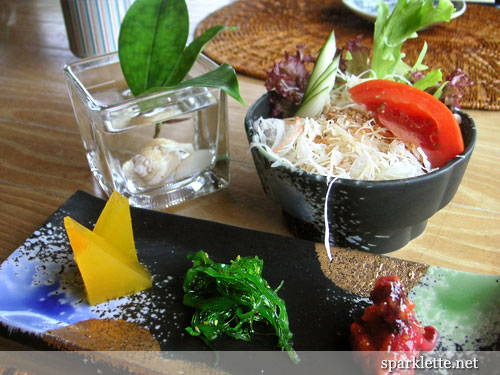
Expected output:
(413, 116)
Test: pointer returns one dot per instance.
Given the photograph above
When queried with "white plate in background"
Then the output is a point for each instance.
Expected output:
(367, 9)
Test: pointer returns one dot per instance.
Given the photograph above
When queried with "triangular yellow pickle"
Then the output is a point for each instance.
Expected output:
(106, 257)
(115, 225)
(105, 276)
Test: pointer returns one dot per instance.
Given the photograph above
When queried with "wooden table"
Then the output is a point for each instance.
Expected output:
(42, 160)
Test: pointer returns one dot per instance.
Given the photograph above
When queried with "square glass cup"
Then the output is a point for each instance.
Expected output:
(157, 150)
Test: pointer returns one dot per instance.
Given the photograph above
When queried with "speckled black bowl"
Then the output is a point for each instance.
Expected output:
(375, 216)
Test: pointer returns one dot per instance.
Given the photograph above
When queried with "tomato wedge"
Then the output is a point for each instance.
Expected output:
(413, 116)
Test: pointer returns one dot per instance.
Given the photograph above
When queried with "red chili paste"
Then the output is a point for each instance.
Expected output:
(390, 325)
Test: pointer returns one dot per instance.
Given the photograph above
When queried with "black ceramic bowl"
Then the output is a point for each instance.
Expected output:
(375, 216)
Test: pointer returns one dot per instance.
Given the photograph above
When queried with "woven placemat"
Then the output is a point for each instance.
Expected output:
(268, 28)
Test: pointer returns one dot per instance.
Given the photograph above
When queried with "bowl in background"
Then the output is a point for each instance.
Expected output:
(375, 216)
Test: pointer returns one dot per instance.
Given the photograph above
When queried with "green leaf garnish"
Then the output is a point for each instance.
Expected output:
(224, 77)
(153, 53)
(152, 36)
(418, 64)
(231, 298)
(430, 80)
(191, 53)
(439, 91)
(392, 30)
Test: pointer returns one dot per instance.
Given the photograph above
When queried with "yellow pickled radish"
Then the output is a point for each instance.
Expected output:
(108, 268)
(115, 225)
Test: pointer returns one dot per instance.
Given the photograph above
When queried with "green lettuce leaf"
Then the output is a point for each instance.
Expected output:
(430, 80)
(393, 29)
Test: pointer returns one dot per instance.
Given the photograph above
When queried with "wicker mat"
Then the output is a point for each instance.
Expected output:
(268, 28)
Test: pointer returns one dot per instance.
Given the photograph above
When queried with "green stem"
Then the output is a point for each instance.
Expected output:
(157, 129)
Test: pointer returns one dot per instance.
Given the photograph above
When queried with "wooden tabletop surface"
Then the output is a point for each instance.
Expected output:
(42, 160)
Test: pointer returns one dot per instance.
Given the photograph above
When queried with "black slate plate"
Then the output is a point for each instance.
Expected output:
(163, 242)
(42, 291)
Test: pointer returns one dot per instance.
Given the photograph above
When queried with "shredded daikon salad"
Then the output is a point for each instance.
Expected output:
(343, 142)
(332, 136)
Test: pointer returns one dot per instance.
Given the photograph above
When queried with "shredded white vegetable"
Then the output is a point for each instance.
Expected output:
(343, 142)
(327, 227)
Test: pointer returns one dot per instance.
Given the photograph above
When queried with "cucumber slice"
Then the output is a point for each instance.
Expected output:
(332, 68)
(314, 102)
(324, 59)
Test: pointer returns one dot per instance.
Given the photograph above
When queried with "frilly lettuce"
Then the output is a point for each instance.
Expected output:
(393, 29)
(287, 81)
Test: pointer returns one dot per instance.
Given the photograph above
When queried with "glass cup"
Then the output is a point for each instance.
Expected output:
(158, 150)
(92, 26)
